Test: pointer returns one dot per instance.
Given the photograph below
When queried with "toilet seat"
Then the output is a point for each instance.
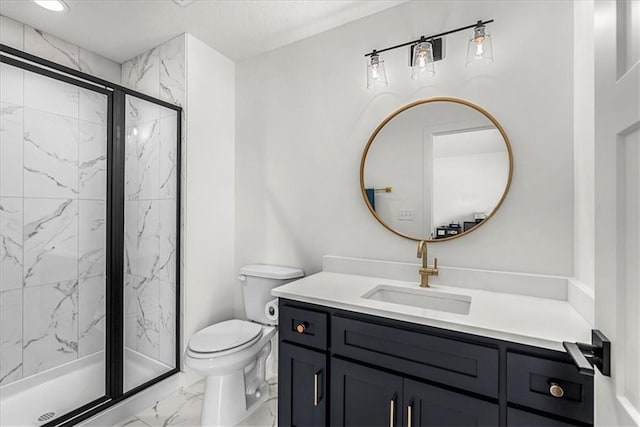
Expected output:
(224, 338)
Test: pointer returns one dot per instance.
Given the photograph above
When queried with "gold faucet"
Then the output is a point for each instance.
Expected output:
(426, 271)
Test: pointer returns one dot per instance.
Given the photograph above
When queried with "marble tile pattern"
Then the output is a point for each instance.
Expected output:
(52, 208)
(142, 73)
(183, 409)
(50, 329)
(159, 72)
(172, 71)
(52, 188)
(10, 336)
(11, 33)
(151, 198)
(150, 229)
(39, 43)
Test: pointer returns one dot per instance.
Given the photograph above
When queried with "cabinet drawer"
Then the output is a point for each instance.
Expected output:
(305, 327)
(518, 418)
(529, 381)
(458, 364)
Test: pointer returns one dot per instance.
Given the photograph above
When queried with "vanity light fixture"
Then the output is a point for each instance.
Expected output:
(422, 63)
(53, 5)
(376, 74)
(479, 49)
(427, 50)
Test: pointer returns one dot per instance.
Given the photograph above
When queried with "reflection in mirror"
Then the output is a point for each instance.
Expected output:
(436, 169)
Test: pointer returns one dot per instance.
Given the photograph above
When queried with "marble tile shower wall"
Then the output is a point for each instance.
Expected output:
(52, 208)
(39, 43)
(150, 206)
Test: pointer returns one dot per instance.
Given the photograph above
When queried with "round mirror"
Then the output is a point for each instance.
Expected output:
(436, 169)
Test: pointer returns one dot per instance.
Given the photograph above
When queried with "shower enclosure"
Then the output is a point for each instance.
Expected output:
(89, 242)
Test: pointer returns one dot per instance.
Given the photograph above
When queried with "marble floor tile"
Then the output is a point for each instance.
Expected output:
(183, 409)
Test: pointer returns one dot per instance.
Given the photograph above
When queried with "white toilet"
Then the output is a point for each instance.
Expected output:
(232, 354)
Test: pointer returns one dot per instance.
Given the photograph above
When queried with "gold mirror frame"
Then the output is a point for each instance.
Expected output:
(426, 101)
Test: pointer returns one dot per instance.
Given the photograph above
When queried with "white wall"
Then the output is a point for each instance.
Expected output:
(584, 148)
(210, 278)
(304, 115)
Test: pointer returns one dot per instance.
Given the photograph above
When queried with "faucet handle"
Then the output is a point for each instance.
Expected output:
(435, 263)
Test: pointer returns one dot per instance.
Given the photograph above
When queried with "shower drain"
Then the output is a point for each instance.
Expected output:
(46, 417)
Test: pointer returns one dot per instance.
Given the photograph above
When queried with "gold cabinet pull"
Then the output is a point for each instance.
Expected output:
(556, 390)
(315, 389)
(300, 327)
(409, 416)
(392, 409)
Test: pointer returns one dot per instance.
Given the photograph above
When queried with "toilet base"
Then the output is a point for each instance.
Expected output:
(229, 398)
(224, 400)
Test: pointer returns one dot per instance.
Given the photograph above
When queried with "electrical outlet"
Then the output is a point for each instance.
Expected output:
(406, 215)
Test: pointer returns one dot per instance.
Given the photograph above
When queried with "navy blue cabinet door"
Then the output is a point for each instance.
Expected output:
(302, 397)
(361, 396)
(518, 418)
(425, 405)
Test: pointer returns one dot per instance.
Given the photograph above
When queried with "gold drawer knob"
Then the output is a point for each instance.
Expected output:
(301, 327)
(556, 390)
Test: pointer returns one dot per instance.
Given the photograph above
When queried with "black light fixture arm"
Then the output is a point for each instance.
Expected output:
(424, 38)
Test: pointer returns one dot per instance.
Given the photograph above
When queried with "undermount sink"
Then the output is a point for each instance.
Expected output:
(422, 298)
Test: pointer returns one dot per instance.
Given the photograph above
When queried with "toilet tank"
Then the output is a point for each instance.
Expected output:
(257, 280)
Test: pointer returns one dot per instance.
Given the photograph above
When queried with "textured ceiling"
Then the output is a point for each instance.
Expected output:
(121, 29)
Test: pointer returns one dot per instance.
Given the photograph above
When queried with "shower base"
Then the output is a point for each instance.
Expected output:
(38, 399)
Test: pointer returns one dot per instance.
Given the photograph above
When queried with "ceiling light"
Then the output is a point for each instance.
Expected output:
(53, 5)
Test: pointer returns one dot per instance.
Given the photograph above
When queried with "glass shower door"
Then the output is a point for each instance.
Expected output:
(150, 224)
(53, 245)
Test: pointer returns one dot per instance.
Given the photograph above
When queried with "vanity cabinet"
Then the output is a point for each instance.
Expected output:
(362, 396)
(342, 368)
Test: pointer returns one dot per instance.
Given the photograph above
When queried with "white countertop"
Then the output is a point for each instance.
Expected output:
(529, 320)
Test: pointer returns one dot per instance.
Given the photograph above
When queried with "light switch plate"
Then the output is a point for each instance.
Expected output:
(406, 215)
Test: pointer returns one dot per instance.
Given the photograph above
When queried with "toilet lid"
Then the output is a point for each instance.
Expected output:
(225, 336)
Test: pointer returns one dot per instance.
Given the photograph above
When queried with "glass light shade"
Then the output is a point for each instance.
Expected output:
(376, 74)
(479, 49)
(53, 5)
(422, 61)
